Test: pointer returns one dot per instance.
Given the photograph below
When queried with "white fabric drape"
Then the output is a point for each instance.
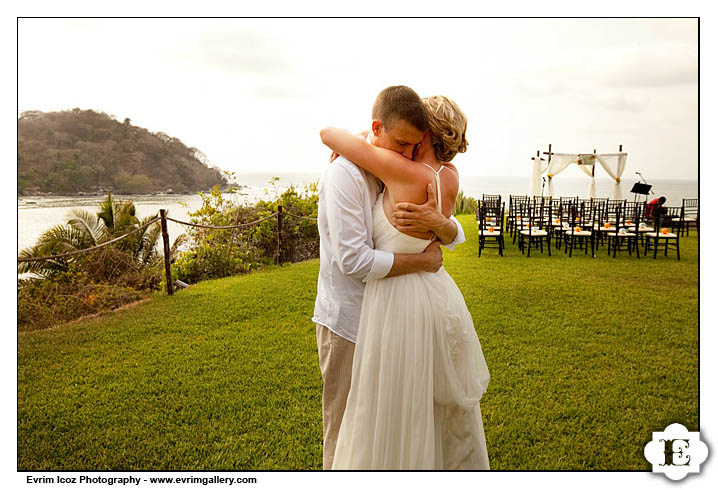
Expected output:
(559, 162)
(612, 161)
(587, 166)
(539, 167)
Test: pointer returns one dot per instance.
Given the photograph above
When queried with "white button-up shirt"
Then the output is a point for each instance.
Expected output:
(347, 258)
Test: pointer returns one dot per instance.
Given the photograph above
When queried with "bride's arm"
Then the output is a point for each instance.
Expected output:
(390, 166)
(385, 164)
(362, 134)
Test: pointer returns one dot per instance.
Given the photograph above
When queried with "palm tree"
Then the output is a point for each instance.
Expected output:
(85, 229)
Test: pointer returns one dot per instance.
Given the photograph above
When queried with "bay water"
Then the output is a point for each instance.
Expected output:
(37, 214)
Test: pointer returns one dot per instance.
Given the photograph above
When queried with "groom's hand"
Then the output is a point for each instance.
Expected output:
(433, 257)
(430, 260)
(410, 217)
(425, 217)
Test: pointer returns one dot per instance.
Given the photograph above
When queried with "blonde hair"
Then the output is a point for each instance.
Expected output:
(448, 127)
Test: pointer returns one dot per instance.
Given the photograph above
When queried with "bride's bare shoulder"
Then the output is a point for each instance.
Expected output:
(452, 167)
(451, 179)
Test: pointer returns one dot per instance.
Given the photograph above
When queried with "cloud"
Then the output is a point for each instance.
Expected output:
(256, 61)
(275, 90)
(656, 64)
(620, 101)
(239, 50)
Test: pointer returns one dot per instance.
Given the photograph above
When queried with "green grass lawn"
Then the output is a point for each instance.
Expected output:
(588, 356)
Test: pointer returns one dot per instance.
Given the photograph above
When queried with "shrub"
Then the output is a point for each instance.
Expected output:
(112, 266)
(220, 253)
(464, 204)
(105, 278)
(42, 303)
(300, 237)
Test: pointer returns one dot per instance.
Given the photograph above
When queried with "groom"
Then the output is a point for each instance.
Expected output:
(347, 257)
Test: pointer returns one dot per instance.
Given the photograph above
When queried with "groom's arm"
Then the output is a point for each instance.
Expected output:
(343, 198)
(428, 261)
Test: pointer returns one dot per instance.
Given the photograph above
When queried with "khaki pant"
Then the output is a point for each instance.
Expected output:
(336, 355)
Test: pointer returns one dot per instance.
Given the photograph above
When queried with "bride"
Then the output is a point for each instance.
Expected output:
(418, 372)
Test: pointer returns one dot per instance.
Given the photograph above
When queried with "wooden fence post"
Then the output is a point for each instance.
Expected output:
(279, 235)
(166, 240)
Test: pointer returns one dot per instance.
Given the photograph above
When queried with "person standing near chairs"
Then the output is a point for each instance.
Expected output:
(654, 207)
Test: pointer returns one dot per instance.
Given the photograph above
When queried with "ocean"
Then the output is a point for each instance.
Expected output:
(38, 214)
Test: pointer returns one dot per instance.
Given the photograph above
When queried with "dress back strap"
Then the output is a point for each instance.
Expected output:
(438, 182)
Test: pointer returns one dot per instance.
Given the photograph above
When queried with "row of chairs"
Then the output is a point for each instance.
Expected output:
(490, 217)
(689, 215)
(574, 224)
(620, 227)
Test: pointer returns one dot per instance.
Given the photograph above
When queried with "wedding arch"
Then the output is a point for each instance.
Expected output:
(613, 163)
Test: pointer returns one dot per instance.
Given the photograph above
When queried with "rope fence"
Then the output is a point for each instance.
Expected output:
(77, 252)
(308, 218)
(228, 227)
(166, 243)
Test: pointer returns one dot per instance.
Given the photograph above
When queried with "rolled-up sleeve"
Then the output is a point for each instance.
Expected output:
(460, 237)
(347, 228)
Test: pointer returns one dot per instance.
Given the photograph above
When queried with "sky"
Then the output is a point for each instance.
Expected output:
(252, 94)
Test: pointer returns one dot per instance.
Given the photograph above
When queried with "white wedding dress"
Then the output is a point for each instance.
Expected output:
(418, 372)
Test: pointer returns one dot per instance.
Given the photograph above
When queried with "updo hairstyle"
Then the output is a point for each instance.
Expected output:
(448, 127)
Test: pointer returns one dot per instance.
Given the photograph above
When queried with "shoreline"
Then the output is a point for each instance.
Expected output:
(119, 194)
(248, 186)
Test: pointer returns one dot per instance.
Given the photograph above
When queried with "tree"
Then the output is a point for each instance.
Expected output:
(85, 229)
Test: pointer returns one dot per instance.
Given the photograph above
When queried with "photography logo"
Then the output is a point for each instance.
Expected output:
(676, 452)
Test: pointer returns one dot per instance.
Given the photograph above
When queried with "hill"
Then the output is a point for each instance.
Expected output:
(84, 151)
